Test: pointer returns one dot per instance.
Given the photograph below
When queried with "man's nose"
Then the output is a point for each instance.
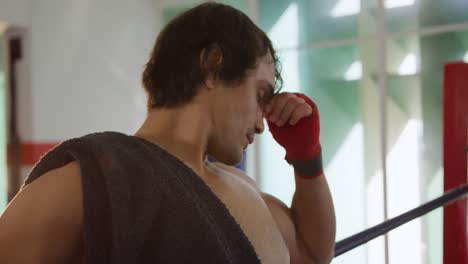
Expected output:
(259, 126)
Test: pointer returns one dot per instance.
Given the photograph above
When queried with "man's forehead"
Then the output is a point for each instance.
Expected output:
(266, 70)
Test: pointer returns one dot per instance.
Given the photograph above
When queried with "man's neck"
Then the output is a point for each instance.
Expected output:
(181, 131)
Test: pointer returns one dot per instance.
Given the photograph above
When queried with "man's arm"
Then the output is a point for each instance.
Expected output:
(294, 122)
(43, 223)
(314, 217)
(308, 227)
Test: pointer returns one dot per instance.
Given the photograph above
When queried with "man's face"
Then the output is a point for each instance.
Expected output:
(238, 112)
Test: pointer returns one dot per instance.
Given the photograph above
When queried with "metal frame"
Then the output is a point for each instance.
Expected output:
(382, 80)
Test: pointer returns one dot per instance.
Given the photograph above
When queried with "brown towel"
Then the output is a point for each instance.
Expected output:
(143, 205)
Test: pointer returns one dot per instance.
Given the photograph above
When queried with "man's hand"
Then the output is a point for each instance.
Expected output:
(287, 108)
(293, 120)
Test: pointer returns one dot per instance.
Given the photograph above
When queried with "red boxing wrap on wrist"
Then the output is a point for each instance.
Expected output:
(301, 141)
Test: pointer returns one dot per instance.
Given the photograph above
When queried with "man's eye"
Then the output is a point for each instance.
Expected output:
(268, 97)
(264, 97)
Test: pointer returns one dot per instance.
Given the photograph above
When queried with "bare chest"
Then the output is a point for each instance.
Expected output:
(246, 205)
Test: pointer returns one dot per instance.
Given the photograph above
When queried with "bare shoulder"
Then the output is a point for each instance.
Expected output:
(274, 204)
(44, 219)
(236, 172)
(239, 173)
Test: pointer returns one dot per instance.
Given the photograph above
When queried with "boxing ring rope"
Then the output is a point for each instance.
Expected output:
(381, 229)
(455, 176)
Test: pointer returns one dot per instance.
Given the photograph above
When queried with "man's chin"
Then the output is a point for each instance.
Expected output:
(231, 160)
(232, 163)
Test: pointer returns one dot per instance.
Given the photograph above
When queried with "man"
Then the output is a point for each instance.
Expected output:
(153, 197)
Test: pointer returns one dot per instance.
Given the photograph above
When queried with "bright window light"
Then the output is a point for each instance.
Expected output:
(465, 59)
(398, 3)
(285, 32)
(409, 65)
(404, 193)
(349, 156)
(375, 215)
(354, 71)
(348, 160)
(346, 8)
(352, 7)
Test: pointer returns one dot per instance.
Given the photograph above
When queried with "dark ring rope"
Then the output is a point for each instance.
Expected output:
(380, 229)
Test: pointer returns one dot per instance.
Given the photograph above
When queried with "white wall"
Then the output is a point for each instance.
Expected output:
(82, 66)
(86, 61)
(16, 12)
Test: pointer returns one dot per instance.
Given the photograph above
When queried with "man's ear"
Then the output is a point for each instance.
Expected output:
(211, 63)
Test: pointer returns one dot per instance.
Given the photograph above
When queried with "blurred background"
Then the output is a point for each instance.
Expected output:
(374, 67)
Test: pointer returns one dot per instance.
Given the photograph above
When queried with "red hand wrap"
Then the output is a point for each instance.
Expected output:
(301, 141)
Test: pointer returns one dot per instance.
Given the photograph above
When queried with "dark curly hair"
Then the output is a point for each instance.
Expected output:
(176, 66)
